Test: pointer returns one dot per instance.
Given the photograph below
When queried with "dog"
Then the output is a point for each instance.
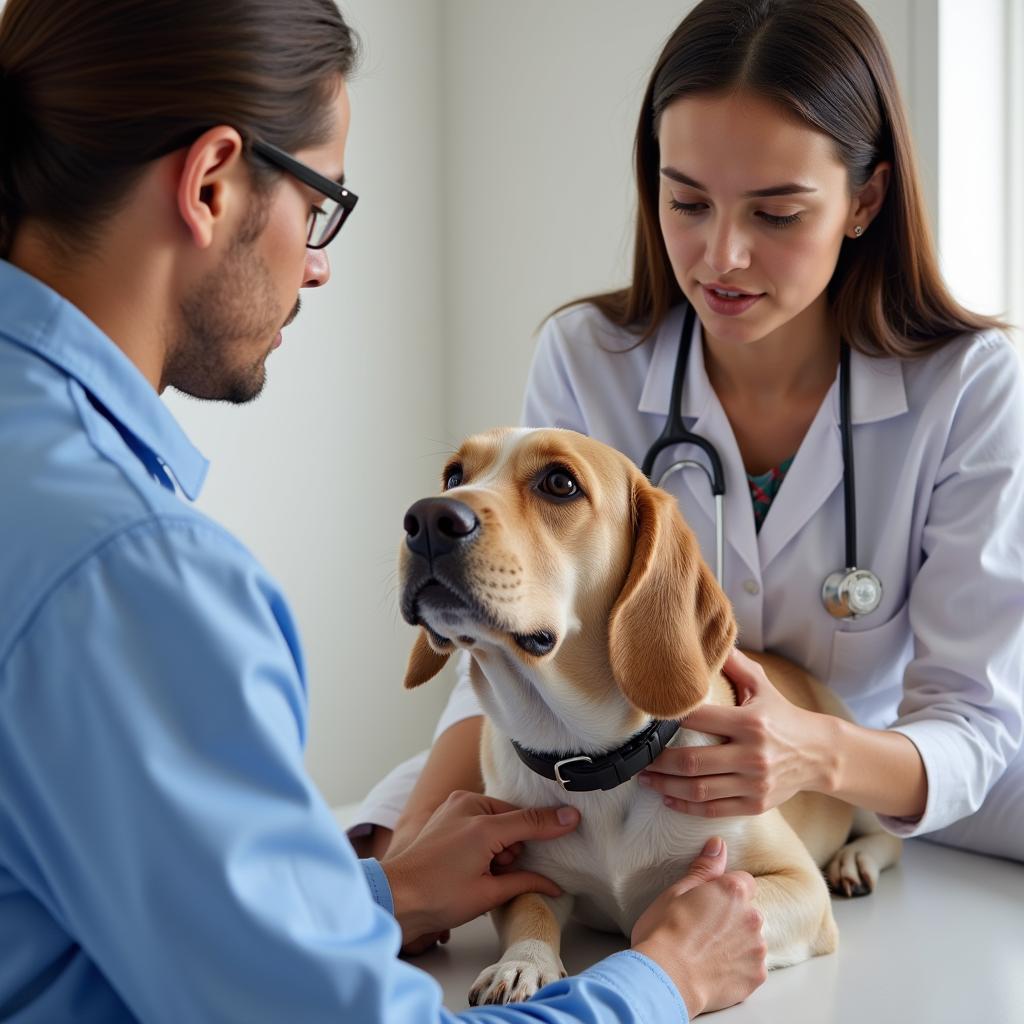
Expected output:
(592, 625)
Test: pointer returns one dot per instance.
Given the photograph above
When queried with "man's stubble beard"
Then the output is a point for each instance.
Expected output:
(214, 353)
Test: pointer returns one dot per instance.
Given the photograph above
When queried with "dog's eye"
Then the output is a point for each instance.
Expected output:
(559, 483)
(452, 477)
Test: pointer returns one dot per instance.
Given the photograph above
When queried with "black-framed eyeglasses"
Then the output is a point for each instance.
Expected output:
(326, 219)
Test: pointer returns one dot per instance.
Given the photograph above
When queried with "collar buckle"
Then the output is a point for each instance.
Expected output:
(559, 778)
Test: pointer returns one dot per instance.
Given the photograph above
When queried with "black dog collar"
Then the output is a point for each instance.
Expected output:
(580, 773)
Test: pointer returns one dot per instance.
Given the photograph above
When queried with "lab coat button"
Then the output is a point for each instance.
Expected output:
(751, 587)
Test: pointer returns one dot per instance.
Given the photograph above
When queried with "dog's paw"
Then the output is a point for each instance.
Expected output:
(524, 969)
(852, 872)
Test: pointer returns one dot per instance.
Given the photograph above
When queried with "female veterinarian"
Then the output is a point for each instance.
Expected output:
(778, 201)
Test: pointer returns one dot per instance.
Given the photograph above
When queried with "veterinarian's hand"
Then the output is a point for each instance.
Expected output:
(773, 750)
(705, 933)
(462, 862)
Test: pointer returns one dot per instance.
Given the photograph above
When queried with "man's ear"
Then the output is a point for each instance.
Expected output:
(207, 181)
(424, 662)
(671, 626)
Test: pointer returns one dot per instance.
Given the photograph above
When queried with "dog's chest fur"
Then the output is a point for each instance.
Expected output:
(628, 846)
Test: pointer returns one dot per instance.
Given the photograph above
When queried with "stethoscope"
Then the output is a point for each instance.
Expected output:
(846, 593)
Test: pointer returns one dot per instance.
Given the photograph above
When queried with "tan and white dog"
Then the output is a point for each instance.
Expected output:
(580, 593)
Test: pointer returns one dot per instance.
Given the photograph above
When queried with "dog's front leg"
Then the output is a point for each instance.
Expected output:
(530, 932)
(797, 911)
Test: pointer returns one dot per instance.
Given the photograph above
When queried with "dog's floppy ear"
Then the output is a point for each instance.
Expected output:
(424, 662)
(671, 626)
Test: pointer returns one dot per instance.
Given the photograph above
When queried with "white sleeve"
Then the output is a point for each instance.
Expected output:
(384, 803)
(550, 400)
(462, 702)
(963, 695)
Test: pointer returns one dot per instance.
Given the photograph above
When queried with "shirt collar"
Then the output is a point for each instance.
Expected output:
(876, 383)
(657, 391)
(38, 319)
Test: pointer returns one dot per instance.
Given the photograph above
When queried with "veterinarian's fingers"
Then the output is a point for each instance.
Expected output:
(745, 674)
(699, 790)
(532, 823)
(718, 721)
(731, 808)
(507, 886)
(721, 759)
(708, 864)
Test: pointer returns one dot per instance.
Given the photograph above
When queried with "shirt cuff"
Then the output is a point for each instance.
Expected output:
(377, 880)
(950, 793)
(648, 989)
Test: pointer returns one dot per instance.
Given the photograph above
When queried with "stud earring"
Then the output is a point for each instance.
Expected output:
(858, 231)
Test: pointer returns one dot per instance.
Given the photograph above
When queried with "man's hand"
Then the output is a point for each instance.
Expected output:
(444, 877)
(705, 933)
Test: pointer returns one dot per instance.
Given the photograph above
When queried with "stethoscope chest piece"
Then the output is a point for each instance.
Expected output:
(850, 593)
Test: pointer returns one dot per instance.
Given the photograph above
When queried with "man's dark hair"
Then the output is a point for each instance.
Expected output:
(93, 90)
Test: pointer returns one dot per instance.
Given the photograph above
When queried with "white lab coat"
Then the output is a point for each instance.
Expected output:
(939, 455)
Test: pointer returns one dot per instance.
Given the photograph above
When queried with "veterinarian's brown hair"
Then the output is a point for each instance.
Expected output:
(823, 61)
(92, 90)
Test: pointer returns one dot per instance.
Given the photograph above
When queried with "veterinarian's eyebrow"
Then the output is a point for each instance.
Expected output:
(790, 188)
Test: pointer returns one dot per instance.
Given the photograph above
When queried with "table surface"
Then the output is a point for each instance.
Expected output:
(940, 941)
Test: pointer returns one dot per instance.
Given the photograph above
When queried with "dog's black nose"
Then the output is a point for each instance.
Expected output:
(437, 526)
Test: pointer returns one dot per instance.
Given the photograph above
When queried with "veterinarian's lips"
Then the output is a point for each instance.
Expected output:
(728, 301)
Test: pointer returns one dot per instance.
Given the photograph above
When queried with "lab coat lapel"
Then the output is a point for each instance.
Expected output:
(815, 473)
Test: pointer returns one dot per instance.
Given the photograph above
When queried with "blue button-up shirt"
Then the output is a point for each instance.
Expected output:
(163, 854)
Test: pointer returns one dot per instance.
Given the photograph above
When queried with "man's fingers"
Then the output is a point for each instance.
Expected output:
(533, 823)
(509, 855)
(708, 864)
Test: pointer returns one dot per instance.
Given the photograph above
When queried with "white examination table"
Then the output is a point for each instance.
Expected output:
(940, 942)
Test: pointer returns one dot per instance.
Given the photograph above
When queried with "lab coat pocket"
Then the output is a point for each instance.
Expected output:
(867, 661)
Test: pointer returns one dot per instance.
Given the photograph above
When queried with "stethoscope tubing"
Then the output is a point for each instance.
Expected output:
(675, 433)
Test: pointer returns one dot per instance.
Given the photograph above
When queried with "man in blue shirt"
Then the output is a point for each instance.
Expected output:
(170, 171)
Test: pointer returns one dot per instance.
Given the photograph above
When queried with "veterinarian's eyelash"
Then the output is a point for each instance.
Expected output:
(779, 222)
(690, 209)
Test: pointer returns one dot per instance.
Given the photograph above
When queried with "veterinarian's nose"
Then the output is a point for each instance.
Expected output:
(437, 526)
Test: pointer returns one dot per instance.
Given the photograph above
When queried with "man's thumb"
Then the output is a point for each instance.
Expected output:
(708, 864)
